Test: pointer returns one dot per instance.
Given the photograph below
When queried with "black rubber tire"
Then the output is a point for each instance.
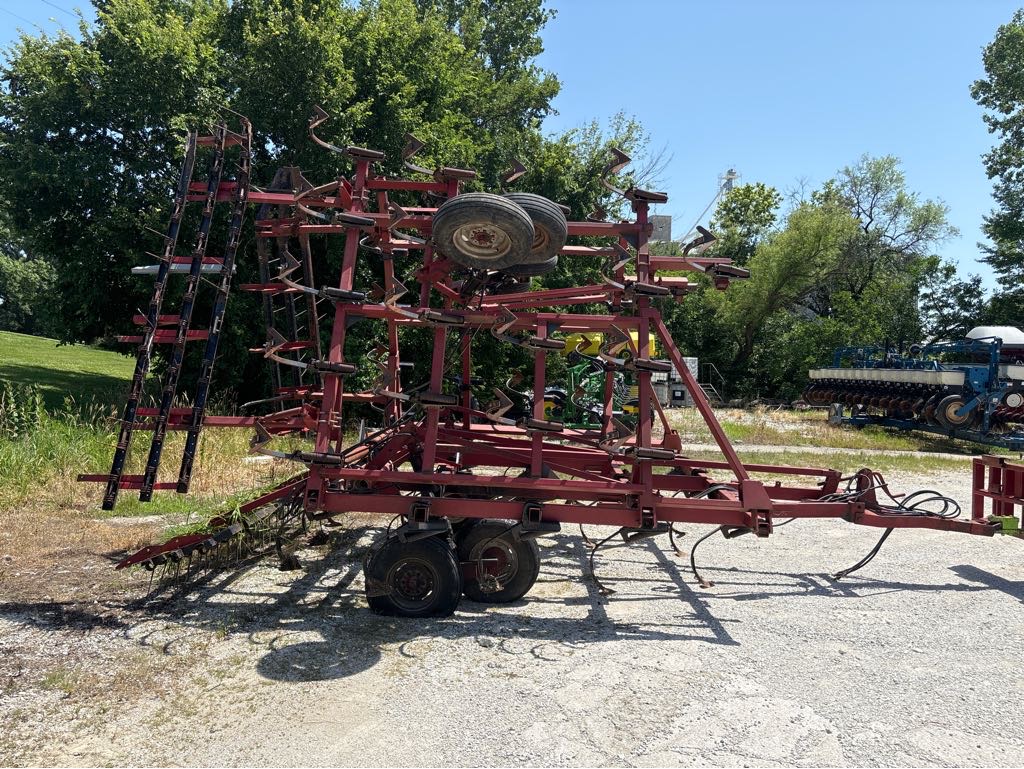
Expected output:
(431, 585)
(506, 231)
(531, 269)
(549, 224)
(511, 287)
(944, 412)
(522, 564)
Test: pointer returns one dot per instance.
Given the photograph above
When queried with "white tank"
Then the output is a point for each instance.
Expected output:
(1011, 335)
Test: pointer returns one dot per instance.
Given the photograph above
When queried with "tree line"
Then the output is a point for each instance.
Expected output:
(91, 132)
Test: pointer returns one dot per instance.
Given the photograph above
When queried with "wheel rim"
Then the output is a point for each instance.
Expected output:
(950, 413)
(481, 240)
(412, 582)
(541, 238)
(499, 559)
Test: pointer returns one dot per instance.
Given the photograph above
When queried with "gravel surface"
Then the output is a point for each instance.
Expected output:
(913, 661)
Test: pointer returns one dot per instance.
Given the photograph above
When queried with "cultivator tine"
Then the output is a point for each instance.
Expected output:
(619, 161)
(502, 323)
(615, 341)
(496, 411)
(614, 441)
(614, 265)
(318, 118)
(412, 146)
(316, 191)
(507, 319)
(514, 173)
(144, 352)
(261, 437)
(380, 385)
(700, 243)
(397, 214)
(396, 290)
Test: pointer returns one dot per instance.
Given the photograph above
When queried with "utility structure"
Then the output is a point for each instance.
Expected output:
(468, 486)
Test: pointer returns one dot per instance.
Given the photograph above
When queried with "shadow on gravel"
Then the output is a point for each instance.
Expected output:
(990, 580)
(738, 584)
(313, 625)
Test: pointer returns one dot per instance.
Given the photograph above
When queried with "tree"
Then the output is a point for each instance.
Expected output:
(895, 226)
(743, 218)
(91, 129)
(784, 270)
(26, 288)
(951, 306)
(1001, 93)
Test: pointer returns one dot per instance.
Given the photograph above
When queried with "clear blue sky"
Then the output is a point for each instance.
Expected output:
(783, 91)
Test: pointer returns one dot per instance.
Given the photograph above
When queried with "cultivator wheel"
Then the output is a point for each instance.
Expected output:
(503, 565)
(549, 226)
(483, 231)
(413, 578)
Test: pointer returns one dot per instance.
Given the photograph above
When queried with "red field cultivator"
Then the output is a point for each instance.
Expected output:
(470, 480)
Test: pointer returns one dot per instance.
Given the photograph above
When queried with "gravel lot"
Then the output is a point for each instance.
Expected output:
(913, 661)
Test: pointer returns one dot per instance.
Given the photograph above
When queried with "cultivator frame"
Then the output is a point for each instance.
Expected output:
(439, 461)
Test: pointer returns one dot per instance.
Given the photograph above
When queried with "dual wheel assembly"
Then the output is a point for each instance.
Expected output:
(519, 234)
(488, 561)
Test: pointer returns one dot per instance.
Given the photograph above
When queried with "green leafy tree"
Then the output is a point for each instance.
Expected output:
(951, 306)
(26, 288)
(91, 129)
(896, 227)
(1001, 94)
(784, 270)
(743, 218)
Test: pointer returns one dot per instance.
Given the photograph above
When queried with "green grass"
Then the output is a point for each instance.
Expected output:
(85, 374)
(40, 464)
(767, 427)
(844, 462)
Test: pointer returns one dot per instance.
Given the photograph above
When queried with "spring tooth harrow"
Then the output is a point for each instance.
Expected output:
(470, 486)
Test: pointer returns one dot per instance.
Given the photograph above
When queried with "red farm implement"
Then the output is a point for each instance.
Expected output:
(469, 484)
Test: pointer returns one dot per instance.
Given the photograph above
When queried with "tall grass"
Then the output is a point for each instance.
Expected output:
(41, 454)
(38, 448)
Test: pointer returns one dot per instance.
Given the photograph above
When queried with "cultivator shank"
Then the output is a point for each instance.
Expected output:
(475, 476)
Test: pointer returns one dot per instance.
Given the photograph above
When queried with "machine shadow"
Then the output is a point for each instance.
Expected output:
(314, 625)
(989, 580)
